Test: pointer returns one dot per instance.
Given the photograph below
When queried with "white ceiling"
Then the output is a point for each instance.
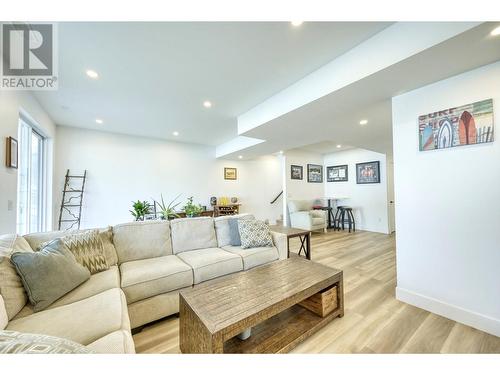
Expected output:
(326, 147)
(335, 117)
(153, 77)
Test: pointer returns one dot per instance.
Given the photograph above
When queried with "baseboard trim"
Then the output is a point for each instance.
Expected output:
(458, 314)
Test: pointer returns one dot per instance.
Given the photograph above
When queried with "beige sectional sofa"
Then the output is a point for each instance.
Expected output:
(153, 261)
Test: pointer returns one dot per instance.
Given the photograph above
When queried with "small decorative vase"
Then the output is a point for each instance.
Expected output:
(234, 200)
(213, 201)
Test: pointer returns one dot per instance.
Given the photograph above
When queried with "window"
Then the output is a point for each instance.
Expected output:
(31, 177)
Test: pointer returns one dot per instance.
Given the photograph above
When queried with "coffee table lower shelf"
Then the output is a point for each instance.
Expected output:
(281, 333)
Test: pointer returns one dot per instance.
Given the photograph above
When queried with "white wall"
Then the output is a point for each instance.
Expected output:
(300, 189)
(369, 201)
(125, 168)
(12, 103)
(448, 208)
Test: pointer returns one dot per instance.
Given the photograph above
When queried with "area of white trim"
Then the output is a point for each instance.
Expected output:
(456, 313)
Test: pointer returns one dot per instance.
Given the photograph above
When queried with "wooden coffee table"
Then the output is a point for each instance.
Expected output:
(264, 298)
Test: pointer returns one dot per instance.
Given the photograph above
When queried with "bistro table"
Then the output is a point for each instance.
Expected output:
(303, 235)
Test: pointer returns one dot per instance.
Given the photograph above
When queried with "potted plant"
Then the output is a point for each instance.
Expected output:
(168, 212)
(192, 209)
(140, 209)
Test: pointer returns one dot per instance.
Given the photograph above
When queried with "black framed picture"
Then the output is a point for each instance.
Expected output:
(337, 173)
(296, 172)
(368, 173)
(11, 153)
(314, 173)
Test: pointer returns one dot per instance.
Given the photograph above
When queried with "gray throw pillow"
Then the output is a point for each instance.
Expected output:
(234, 233)
(254, 233)
(49, 274)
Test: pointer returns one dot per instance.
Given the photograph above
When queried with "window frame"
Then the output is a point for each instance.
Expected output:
(33, 131)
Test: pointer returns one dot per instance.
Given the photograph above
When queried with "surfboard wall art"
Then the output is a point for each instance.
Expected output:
(465, 125)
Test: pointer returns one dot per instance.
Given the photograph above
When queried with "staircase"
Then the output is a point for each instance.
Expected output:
(280, 220)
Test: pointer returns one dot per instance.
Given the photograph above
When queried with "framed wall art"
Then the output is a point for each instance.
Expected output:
(296, 172)
(368, 173)
(11, 159)
(314, 173)
(459, 126)
(230, 174)
(337, 173)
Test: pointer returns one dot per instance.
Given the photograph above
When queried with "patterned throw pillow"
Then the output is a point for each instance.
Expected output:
(254, 233)
(88, 250)
(12, 342)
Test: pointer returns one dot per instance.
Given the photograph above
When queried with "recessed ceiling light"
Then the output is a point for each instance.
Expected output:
(99, 121)
(297, 23)
(495, 31)
(92, 74)
(175, 133)
(207, 104)
(240, 156)
(363, 122)
(339, 146)
(281, 152)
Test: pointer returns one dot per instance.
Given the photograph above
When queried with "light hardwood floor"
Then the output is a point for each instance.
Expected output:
(374, 321)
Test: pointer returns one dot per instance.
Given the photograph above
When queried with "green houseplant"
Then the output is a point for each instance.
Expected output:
(167, 211)
(192, 209)
(140, 209)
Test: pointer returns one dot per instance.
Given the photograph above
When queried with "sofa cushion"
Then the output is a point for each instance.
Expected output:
(84, 321)
(318, 221)
(254, 233)
(49, 274)
(97, 283)
(149, 277)
(192, 234)
(142, 240)
(211, 263)
(4, 319)
(88, 250)
(154, 308)
(36, 240)
(222, 228)
(11, 285)
(254, 257)
(118, 342)
(12, 342)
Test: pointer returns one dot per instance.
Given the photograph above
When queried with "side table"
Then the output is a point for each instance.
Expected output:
(303, 235)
